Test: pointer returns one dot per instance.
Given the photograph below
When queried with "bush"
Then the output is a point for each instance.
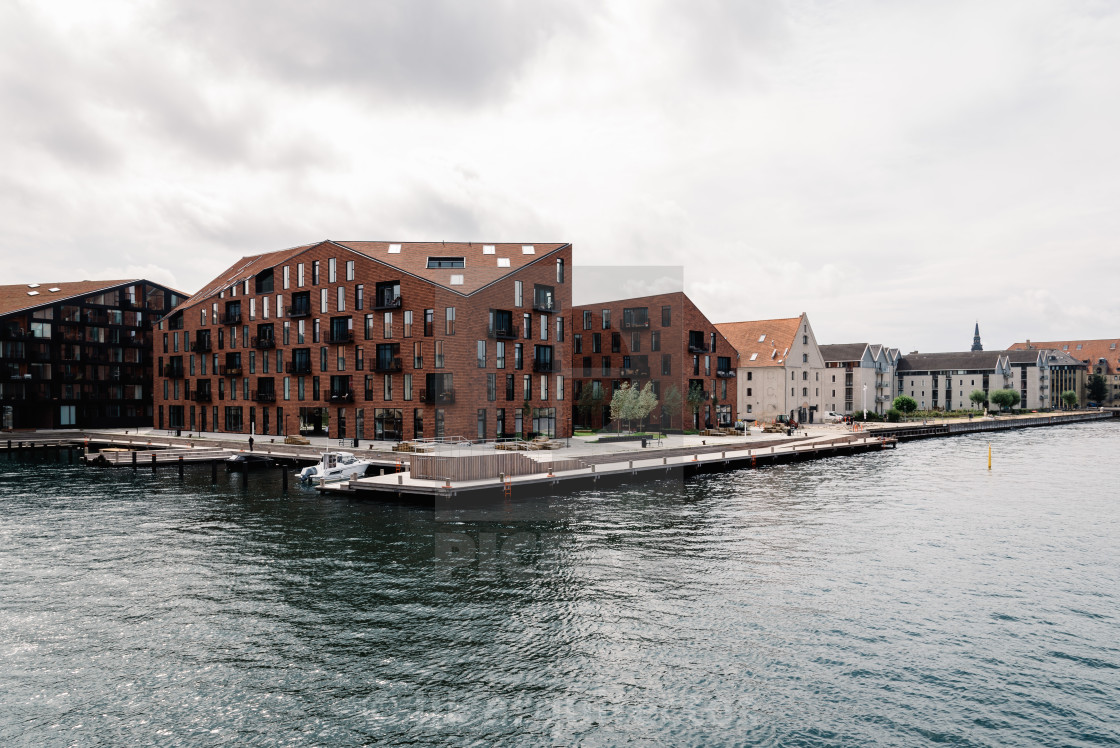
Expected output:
(871, 416)
(894, 415)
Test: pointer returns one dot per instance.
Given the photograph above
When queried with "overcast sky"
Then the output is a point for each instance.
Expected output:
(897, 170)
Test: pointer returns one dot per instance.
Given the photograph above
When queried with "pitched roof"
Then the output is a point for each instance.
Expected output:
(1090, 351)
(763, 342)
(843, 351)
(483, 263)
(30, 295)
(966, 360)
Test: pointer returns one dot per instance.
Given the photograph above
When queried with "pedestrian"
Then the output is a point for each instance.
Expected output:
(250, 444)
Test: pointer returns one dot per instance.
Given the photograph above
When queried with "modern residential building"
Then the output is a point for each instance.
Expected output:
(1101, 358)
(79, 353)
(945, 381)
(373, 340)
(865, 380)
(664, 339)
(781, 370)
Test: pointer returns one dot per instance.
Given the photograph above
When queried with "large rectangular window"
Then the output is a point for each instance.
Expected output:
(449, 320)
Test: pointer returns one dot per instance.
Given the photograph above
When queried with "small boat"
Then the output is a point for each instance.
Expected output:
(248, 461)
(335, 466)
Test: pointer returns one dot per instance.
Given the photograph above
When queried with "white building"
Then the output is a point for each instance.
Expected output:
(859, 376)
(780, 369)
(944, 381)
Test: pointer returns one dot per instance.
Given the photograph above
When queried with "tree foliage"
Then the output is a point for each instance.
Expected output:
(977, 397)
(1069, 399)
(1097, 388)
(671, 403)
(590, 400)
(905, 404)
(1005, 398)
(632, 404)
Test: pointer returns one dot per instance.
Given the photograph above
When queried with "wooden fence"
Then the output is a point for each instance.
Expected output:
(483, 467)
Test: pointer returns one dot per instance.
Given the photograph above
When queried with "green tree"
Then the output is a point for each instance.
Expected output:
(905, 404)
(621, 406)
(894, 415)
(526, 417)
(1004, 398)
(671, 404)
(1097, 388)
(977, 397)
(696, 398)
(1069, 399)
(646, 401)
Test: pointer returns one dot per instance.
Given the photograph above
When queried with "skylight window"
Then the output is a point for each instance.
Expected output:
(394, 249)
(32, 293)
(447, 262)
(762, 338)
(32, 285)
(528, 249)
(488, 249)
(754, 357)
(503, 262)
(56, 289)
(457, 280)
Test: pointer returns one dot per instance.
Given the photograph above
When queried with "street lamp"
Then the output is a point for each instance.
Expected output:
(865, 402)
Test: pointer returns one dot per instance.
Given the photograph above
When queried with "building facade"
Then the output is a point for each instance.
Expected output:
(79, 354)
(373, 340)
(781, 370)
(664, 339)
(945, 381)
(1100, 357)
(859, 376)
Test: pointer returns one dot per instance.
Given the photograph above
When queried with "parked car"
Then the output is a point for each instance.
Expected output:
(831, 417)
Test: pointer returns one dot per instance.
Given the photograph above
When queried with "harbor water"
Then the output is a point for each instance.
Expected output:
(893, 598)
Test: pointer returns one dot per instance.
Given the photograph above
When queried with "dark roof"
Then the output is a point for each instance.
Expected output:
(843, 351)
(31, 295)
(945, 361)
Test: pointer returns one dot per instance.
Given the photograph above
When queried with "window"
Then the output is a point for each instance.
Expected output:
(655, 340)
(417, 355)
(559, 329)
(491, 387)
(449, 321)
(481, 354)
(299, 275)
(666, 316)
(429, 322)
(635, 342)
(559, 386)
(438, 363)
(408, 324)
(544, 327)
(314, 272)
(500, 354)
(616, 342)
(804, 358)
(527, 325)
(666, 364)
(349, 270)
(446, 262)
(287, 277)
(606, 319)
(369, 327)
(387, 386)
(387, 326)
(596, 342)
(518, 356)
(560, 270)
(577, 343)
(407, 386)
(332, 270)
(359, 297)
(587, 320)
(605, 366)
(324, 303)
(517, 293)
(341, 299)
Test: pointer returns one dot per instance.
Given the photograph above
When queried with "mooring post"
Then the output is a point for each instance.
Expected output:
(180, 466)
(134, 462)
(284, 477)
(153, 462)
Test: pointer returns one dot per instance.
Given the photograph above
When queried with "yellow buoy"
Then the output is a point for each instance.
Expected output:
(989, 455)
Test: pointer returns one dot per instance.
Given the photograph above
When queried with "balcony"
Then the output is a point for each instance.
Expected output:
(15, 333)
(634, 372)
(387, 302)
(543, 367)
(172, 372)
(387, 365)
(297, 311)
(264, 341)
(548, 306)
(299, 368)
(634, 325)
(231, 318)
(231, 371)
(341, 338)
(341, 397)
(502, 334)
(701, 348)
(202, 396)
(264, 396)
(728, 374)
(201, 346)
(436, 397)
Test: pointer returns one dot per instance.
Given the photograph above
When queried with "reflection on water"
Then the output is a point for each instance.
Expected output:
(896, 597)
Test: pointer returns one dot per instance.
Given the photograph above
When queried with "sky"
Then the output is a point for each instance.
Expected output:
(897, 170)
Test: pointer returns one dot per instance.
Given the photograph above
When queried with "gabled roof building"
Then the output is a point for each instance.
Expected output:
(865, 379)
(373, 340)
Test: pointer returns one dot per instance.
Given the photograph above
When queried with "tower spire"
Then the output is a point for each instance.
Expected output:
(976, 346)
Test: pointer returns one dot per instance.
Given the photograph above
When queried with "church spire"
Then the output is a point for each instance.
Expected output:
(976, 339)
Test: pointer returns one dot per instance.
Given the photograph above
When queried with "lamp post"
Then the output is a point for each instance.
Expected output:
(865, 402)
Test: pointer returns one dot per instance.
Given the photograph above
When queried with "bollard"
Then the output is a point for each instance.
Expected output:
(664, 460)
(631, 464)
(134, 462)
(213, 471)
(153, 462)
(180, 466)
(400, 480)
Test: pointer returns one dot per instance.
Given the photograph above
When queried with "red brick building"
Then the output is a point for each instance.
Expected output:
(664, 339)
(373, 340)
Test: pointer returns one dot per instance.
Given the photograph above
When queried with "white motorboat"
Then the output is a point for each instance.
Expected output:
(335, 466)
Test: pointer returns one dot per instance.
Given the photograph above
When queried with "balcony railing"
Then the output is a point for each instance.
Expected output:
(437, 397)
(231, 371)
(387, 302)
(231, 318)
(342, 397)
(298, 310)
(202, 396)
(201, 346)
(297, 367)
(633, 325)
(264, 341)
(502, 334)
(264, 396)
(701, 348)
(543, 367)
(172, 372)
(341, 338)
(725, 374)
(387, 365)
(548, 306)
(634, 372)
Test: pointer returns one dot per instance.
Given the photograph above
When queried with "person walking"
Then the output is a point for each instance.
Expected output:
(250, 444)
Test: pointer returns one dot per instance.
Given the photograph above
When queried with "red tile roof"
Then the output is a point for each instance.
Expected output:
(768, 340)
(28, 296)
(1087, 351)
